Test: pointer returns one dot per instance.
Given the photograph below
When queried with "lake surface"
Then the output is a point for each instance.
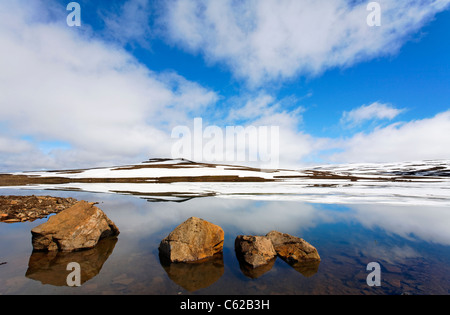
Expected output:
(411, 244)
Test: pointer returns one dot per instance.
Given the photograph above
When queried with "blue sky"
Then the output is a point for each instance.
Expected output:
(112, 90)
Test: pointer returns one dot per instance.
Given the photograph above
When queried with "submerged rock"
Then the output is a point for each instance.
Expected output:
(256, 251)
(51, 267)
(76, 228)
(193, 276)
(307, 268)
(255, 272)
(293, 250)
(193, 240)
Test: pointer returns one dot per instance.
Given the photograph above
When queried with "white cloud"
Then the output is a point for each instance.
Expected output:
(265, 110)
(374, 111)
(13, 146)
(264, 134)
(265, 40)
(415, 140)
(132, 23)
(428, 224)
(261, 105)
(60, 85)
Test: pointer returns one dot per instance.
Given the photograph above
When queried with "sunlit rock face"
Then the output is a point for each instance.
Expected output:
(193, 240)
(293, 249)
(79, 227)
(256, 251)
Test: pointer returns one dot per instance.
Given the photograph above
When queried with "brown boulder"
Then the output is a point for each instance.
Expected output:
(76, 228)
(293, 250)
(193, 240)
(256, 251)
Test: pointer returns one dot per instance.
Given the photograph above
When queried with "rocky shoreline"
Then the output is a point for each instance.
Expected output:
(194, 240)
(15, 209)
(192, 254)
(80, 226)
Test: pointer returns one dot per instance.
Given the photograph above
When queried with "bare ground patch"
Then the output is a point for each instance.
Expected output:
(29, 208)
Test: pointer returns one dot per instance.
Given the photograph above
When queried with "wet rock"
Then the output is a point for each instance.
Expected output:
(293, 250)
(256, 251)
(12, 221)
(79, 227)
(193, 240)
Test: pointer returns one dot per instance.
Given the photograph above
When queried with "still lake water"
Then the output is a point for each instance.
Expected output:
(411, 243)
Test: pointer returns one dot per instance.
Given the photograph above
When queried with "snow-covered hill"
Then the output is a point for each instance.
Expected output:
(421, 182)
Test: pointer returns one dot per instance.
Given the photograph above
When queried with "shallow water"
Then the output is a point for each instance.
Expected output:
(411, 243)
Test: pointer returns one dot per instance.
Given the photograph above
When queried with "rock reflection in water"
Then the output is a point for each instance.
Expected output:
(194, 276)
(257, 272)
(51, 267)
(308, 268)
